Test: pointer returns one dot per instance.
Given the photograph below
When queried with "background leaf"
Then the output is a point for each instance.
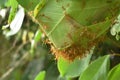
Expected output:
(37, 35)
(72, 69)
(14, 5)
(114, 74)
(97, 70)
(29, 5)
(41, 76)
(2, 3)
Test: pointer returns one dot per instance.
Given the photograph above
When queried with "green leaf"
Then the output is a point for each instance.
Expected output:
(61, 78)
(114, 74)
(14, 5)
(97, 70)
(35, 40)
(60, 18)
(41, 76)
(29, 5)
(37, 36)
(72, 69)
(39, 7)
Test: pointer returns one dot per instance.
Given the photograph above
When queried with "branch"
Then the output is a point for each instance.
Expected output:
(17, 64)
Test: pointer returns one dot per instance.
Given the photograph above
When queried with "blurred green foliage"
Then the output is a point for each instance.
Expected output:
(26, 56)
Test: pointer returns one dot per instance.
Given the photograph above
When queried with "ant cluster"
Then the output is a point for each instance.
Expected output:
(78, 48)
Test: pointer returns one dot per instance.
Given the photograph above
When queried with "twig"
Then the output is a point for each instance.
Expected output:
(6, 74)
(17, 64)
(114, 54)
(8, 51)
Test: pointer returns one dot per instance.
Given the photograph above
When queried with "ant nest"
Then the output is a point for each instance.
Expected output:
(77, 49)
(72, 52)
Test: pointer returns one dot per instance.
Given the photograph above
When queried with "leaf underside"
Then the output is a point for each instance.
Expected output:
(74, 22)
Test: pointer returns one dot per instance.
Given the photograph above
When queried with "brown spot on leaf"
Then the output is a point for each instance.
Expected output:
(83, 4)
(109, 1)
(45, 27)
(45, 16)
(70, 20)
(57, 0)
(63, 8)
